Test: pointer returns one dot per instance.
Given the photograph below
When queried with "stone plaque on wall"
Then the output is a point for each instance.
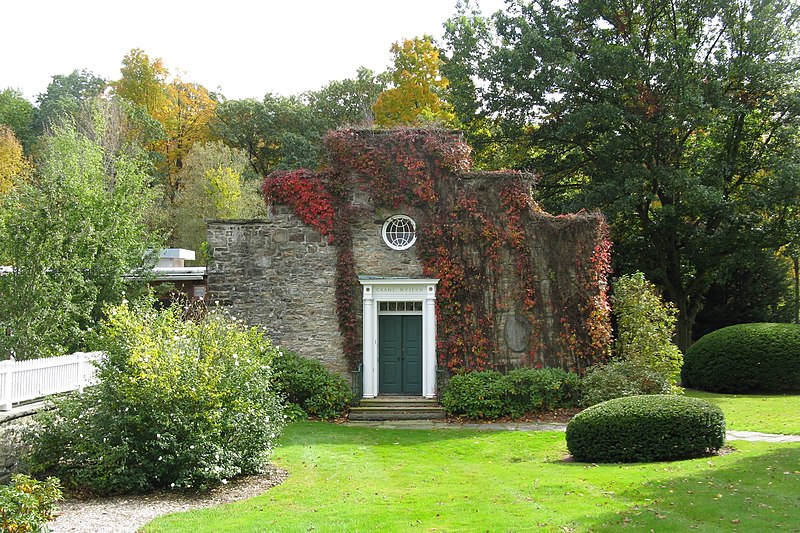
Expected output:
(517, 332)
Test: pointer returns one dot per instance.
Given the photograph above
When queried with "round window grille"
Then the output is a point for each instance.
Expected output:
(399, 232)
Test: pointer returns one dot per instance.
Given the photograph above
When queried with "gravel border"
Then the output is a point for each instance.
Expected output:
(126, 514)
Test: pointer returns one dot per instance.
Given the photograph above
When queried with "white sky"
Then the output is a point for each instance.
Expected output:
(243, 48)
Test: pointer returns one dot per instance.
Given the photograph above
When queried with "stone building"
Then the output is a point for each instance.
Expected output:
(398, 261)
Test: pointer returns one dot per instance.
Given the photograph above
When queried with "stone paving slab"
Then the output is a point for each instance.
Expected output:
(538, 426)
(761, 437)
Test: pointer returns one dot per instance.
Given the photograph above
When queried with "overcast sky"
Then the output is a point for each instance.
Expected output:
(244, 48)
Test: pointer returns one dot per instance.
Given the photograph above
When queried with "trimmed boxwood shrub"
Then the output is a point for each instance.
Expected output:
(491, 394)
(761, 357)
(309, 387)
(646, 428)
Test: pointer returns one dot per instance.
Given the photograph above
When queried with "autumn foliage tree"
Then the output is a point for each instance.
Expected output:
(418, 86)
(182, 109)
(14, 167)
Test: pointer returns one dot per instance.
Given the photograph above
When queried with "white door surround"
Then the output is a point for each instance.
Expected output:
(376, 290)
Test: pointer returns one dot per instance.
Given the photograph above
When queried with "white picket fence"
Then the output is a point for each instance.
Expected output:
(21, 381)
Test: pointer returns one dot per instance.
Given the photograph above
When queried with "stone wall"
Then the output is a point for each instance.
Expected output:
(280, 274)
(505, 308)
(12, 445)
(372, 256)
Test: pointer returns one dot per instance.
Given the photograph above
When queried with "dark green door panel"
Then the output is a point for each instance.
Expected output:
(390, 354)
(412, 354)
(400, 354)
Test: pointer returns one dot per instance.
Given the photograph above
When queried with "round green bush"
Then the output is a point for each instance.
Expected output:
(760, 357)
(646, 428)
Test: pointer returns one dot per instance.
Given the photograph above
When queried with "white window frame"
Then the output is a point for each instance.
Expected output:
(389, 222)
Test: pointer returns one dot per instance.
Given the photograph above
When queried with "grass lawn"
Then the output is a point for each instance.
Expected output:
(366, 479)
(757, 412)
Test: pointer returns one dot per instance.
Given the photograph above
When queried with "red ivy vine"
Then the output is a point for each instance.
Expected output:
(462, 242)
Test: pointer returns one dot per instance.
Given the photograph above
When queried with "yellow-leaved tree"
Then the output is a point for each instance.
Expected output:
(418, 87)
(14, 166)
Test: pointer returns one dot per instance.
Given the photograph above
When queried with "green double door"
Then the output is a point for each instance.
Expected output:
(400, 354)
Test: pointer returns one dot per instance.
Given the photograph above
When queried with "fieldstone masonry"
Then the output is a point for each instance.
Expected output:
(279, 274)
(12, 445)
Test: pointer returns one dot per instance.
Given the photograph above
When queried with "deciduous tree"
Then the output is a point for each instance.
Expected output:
(418, 86)
(678, 117)
(16, 112)
(216, 182)
(14, 166)
(71, 235)
(276, 133)
(64, 95)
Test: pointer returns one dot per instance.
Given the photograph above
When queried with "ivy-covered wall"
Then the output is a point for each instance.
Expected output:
(517, 285)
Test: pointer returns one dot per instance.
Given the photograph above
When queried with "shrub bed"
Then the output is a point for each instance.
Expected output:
(309, 387)
(26, 505)
(646, 428)
(180, 403)
(760, 357)
(490, 394)
(622, 377)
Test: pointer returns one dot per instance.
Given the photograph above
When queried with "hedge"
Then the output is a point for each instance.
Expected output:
(760, 357)
(491, 394)
(646, 428)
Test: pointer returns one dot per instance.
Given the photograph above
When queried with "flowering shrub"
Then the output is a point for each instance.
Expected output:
(183, 404)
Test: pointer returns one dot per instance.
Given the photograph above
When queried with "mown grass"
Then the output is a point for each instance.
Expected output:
(768, 413)
(367, 479)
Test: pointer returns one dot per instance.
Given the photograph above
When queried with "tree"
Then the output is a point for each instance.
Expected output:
(418, 86)
(277, 133)
(143, 81)
(215, 184)
(72, 235)
(347, 102)
(14, 167)
(64, 96)
(185, 119)
(467, 35)
(183, 110)
(677, 117)
(16, 112)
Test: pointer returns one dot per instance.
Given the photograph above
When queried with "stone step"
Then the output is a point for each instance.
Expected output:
(396, 413)
(398, 401)
(397, 408)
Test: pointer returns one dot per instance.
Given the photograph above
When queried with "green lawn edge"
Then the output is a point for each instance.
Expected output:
(345, 478)
(766, 413)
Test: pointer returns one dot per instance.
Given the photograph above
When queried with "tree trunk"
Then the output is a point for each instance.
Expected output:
(683, 332)
(796, 314)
